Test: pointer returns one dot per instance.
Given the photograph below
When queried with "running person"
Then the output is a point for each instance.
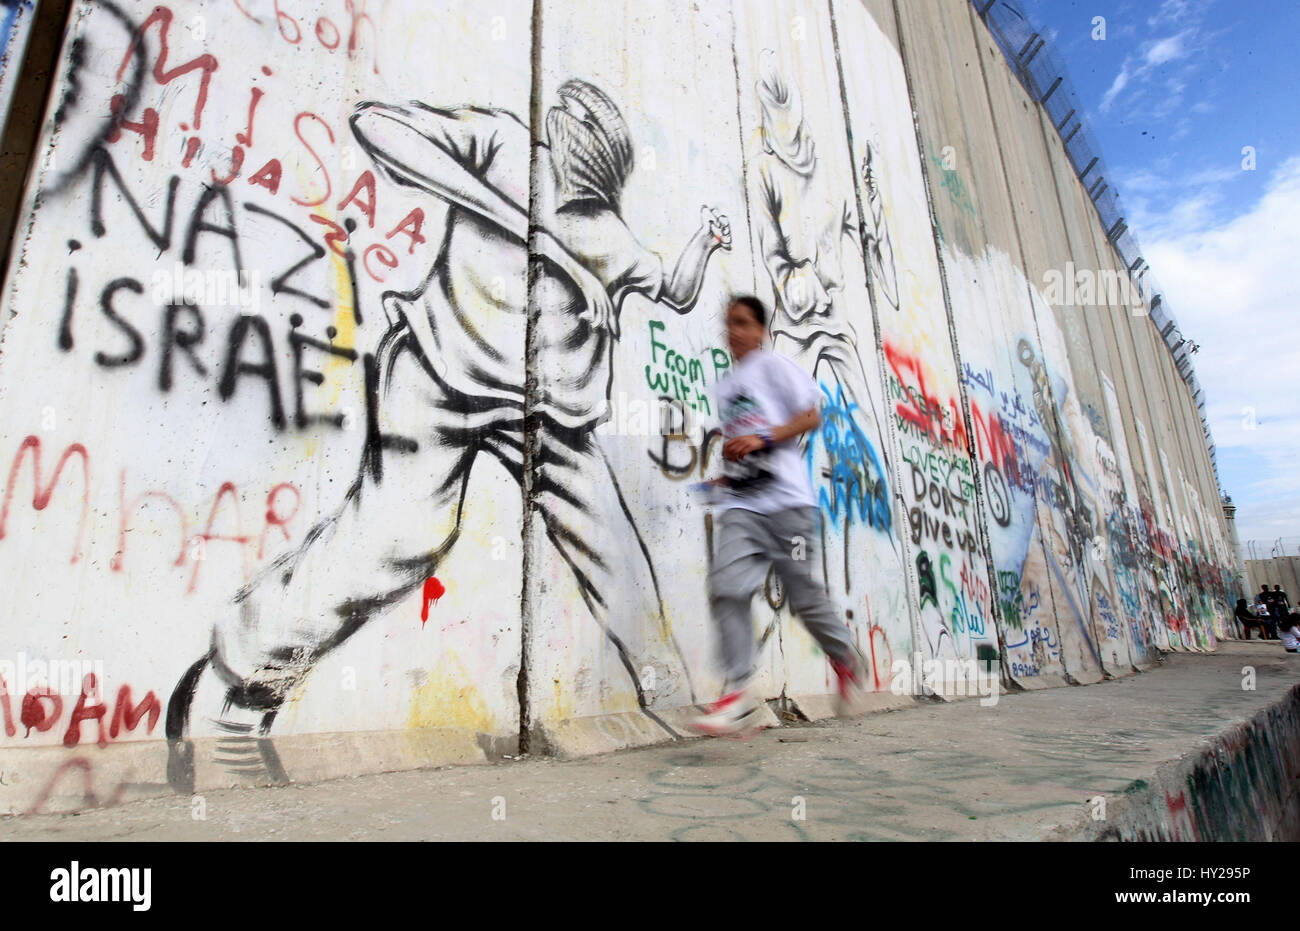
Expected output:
(768, 517)
(453, 386)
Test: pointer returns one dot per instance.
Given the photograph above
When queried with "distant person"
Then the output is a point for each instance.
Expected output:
(1278, 608)
(1264, 608)
(768, 517)
(1248, 618)
(1290, 632)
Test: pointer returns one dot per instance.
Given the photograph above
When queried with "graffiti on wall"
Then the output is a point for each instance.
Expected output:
(802, 229)
(338, 286)
(812, 251)
(586, 262)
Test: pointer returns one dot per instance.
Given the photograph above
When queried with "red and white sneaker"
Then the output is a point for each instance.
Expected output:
(851, 699)
(733, 715)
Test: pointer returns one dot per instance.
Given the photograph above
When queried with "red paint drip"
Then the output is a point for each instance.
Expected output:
(433, 590)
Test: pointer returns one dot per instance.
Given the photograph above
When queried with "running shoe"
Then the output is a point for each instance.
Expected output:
(852, 693)
(734, 715)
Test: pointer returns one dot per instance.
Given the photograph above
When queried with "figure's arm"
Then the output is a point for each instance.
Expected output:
(778, 258)
(682, 289)
(440, 152)
(626, 266)
(876, 240)
(795, 279)
(598, 307)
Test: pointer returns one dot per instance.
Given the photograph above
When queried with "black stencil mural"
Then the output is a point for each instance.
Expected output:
(450, 381)
(876, 241)
(802, 223)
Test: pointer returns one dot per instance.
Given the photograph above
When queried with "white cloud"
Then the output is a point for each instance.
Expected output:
(1193, 211)
(1118, 85)
(1174, 53)
(1165, 50)
(1232, 285)
(1214, 176)
(1163, 205)
(1170, 11)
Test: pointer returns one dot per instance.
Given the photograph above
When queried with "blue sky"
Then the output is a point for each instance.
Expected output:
(1174, 93)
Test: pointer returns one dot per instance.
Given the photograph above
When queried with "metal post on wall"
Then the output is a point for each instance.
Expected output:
(29, 74)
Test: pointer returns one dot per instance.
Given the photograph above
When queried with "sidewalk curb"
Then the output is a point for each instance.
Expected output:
(1242, 785)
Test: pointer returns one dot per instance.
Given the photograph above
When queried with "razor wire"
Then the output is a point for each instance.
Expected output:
(1042, 73)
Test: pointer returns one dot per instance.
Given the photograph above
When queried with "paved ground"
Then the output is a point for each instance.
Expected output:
(952, 771)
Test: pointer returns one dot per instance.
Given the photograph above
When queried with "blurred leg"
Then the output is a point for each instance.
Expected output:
(739, 567)
(794, 552)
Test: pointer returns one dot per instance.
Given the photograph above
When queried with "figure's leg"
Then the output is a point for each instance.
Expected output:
(589, 521)
(384, 541)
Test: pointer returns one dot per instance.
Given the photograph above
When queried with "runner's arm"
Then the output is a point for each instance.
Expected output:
(800, 389)
(800, 424)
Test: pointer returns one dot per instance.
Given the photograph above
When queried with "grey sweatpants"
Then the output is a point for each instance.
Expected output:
(747, 544)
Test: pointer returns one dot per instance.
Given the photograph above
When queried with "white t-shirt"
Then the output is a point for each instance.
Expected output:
(764, 391)
(1290, 637)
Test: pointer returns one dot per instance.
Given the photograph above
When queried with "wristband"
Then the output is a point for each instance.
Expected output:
(766, 437)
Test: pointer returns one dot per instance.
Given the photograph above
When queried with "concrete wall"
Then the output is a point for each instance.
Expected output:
(403, 497)
(1240, 787)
